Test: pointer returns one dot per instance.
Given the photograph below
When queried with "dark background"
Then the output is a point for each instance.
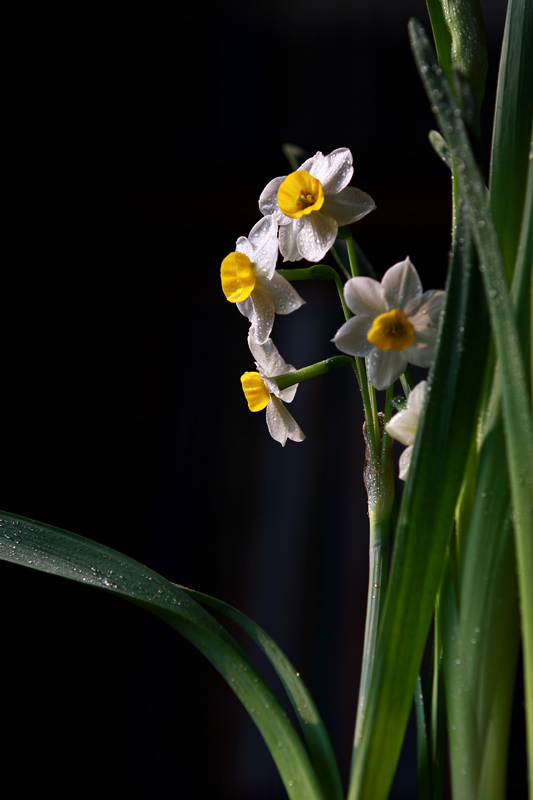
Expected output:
(139, 142)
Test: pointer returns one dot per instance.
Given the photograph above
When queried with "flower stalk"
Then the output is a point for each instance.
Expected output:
(378, 477)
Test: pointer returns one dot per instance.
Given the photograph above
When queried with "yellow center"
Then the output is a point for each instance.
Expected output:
(255, 391)
(300, 194)
(391, 331)
(238, 277)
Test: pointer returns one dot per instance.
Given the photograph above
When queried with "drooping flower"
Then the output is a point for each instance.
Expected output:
(261, 391)
(311, 203)
(404, 425)
(395, 322)
(250, 280)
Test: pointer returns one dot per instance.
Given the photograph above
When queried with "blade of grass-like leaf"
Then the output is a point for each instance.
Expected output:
(512, 128)
(48, 549)
(316, 737)
(441, 34)
(425, 521)
(423, 747)
(480, 678)
(515, 396)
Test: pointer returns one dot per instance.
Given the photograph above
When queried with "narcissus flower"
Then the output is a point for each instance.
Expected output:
(312, 202)
(404, 425)
(261, 391)
(250, 280)
(395, 323)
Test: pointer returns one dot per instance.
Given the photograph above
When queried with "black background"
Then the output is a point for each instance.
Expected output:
(139, 142)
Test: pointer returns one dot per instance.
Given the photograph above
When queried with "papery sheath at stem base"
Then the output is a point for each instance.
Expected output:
(378, 473)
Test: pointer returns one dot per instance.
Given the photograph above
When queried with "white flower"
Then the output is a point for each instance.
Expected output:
(395, 323)
(250, 280)
(261, 391)
(311, 203)
(403, 425)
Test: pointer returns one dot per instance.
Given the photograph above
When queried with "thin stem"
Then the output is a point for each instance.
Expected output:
(377, 582)
(372, 408)
(388, 413)
(379, 484)
(339, 261)
(409, 377)
(352, 255)
(312, 371)
(371, 423)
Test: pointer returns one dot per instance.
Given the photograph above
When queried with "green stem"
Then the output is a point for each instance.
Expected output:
(352, 255)
(339, 261)
(320, 368)
(372, 424)
(388, 413)
(377, 582)
(379, 484)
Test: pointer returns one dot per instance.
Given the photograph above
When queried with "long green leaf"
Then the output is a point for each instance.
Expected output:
(441, 35)
(48, 549)
(512, 128)
(425, 520)
(315, 733)
(508, 347)
(480, 674)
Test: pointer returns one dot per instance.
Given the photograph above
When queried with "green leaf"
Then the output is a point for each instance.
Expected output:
(512, 129)
(487, 625)
(426, 519)
(316, 737)
(423, 747)
(42, 547)
(509, 348)
(441, 35)
(460, 41)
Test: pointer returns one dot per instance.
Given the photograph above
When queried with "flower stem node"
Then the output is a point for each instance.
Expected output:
(394, 324)
(250, 280)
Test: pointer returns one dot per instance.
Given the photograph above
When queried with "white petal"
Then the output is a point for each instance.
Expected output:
(245, 246)
(246, 307)
(385, 366)
(348, 206)
(334, 171)
(405, 463)
(420, 353)
(401, 283)
(365, 296)
(404, 425)
(288, 245)
(282, 293)
(417, 397)
(260, 312)
(268, 200)
(281, 424)
(264, 239)
(316, 235)
(424, 311)
(268, 360)
(351, 337)
(287, 395)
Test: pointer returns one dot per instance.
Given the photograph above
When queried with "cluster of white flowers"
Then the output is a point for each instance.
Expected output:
(394, 322)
